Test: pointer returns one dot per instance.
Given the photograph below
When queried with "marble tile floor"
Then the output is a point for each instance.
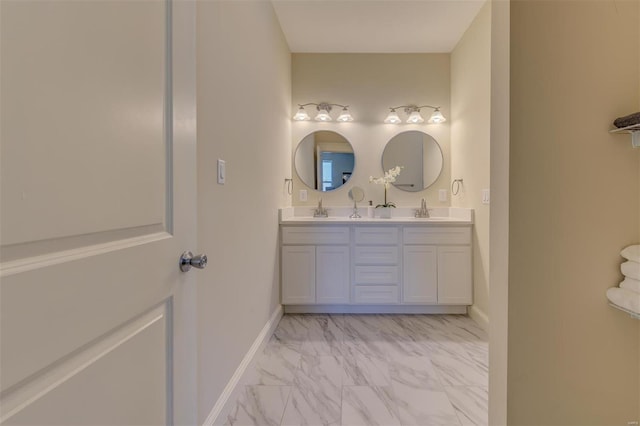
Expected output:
(355, 370)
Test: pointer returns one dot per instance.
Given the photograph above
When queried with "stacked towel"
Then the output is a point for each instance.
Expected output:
(631, 269)
(627, 120)
(627, 296)
(627, 299)
(631, 284)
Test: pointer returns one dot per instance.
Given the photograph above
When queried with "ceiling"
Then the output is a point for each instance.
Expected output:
(375, 26)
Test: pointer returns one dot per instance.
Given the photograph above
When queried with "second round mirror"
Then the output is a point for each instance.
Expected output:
(420, 156)
(324, 160)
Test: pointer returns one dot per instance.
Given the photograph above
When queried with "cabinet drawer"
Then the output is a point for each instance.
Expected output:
(376, 275)
(315, 235)
(437, 235)
(376, 235)
(377, 294)
(377, 255)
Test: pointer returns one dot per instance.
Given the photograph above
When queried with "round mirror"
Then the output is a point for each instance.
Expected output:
(420, 156)
(356, 194)
(324, 160)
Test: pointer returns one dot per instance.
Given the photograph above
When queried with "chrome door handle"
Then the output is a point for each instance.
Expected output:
(187, 260)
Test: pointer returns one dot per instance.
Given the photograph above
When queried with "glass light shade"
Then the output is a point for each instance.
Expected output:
(323, 115)
(301, 115)
(345, 116)
(392, 118)
(415, 118)
(437, 117)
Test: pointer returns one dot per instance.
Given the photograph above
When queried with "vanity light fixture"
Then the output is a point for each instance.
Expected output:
(413, 112)
(323, 109)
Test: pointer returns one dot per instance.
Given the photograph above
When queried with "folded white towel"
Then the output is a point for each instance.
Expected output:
(631, 253)
(630, 300)
(631, 284)
(631, 269)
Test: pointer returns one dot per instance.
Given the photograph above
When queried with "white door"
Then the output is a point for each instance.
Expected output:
(298, 275)
(332, 274)
(97, 204)
(420, 274)
(455, 278)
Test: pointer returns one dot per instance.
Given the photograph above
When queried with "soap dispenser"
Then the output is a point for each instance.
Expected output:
(370, 210)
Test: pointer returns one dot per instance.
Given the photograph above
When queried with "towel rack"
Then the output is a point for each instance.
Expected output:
(634, 130)
(633, 314)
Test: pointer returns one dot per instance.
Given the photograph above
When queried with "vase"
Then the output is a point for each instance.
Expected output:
(384, 212)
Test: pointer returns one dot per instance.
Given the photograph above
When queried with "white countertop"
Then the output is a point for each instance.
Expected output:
(401, 215)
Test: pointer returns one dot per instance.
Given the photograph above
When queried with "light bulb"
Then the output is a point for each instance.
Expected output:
(437, 117)
(415, 117)
(301, 115)
(323, 115)
(392, 118)
(345, 115)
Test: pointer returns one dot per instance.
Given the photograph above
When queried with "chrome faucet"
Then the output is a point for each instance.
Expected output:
(423, 211)
(320, 211)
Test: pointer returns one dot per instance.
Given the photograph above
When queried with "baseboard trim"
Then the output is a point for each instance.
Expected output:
(375, 309)
(231, 391)
(480, 317)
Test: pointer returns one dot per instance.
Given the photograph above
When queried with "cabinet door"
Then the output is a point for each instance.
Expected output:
(332, 274)
(454, 276)
(420, 274)
(298, 275)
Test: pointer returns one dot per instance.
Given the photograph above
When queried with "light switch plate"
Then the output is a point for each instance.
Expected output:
(303, 195)
(486, 196)
(222, 172)
(442, 195)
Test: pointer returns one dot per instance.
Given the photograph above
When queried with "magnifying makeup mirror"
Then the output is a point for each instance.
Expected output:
(356, 194)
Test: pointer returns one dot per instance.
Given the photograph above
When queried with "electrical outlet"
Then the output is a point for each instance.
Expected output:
(442, 195)
(303, 195)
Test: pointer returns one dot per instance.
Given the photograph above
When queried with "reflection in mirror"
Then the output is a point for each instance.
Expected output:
(419, 154)
(324, 160)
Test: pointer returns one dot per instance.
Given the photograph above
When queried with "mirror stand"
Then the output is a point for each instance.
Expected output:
(356, 194)
(355, 214)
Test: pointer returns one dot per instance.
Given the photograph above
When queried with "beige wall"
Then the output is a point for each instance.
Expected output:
(499, 217)
(574, 203)
(370, 84)
(470, 143)
(244, 118)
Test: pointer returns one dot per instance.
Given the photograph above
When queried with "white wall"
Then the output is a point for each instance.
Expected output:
(244, 85)
(470, 143)
(370, 84)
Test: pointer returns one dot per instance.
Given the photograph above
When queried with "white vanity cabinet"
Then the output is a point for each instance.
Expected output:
(437, 265)
(315, 265)
(376, 271)
(371, 266)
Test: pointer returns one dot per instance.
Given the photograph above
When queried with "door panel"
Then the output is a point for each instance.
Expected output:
(420, 274)
(298, 274)
(95, 375)
(332, 274)
(455, 277)
(97, 133)
(85, 80)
